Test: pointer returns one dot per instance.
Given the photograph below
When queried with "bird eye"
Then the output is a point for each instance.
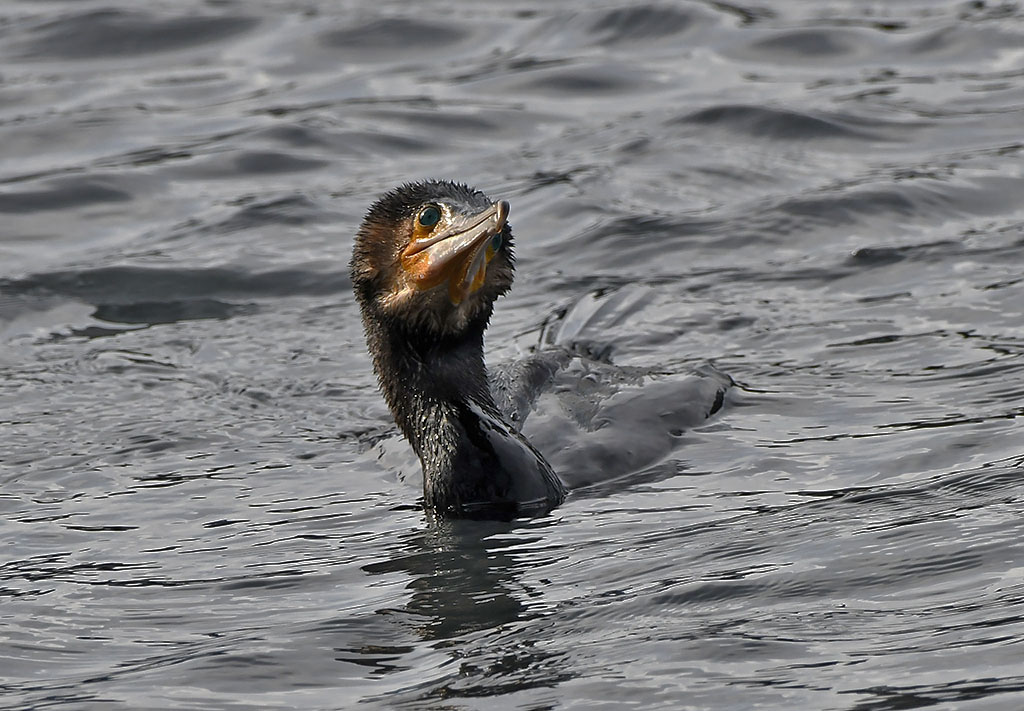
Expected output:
(496, 242)
(430, 216)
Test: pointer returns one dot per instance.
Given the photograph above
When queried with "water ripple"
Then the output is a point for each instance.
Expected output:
(202, 489)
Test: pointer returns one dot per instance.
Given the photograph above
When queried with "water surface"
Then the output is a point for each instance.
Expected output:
(822, 199)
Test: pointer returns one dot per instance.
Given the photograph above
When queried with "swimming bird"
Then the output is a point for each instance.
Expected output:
(429, 260)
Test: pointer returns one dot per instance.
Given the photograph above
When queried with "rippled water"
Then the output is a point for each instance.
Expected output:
(824, 199)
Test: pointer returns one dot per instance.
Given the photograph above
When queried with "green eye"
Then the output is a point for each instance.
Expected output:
(495, 242)
(430, 216)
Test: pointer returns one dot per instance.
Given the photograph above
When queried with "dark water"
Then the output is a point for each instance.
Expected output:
(824, 199)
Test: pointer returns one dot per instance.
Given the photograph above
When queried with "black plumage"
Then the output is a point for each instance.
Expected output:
(426, 293)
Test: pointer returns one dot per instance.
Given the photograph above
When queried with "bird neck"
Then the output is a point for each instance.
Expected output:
(428, 381)
(474, 464)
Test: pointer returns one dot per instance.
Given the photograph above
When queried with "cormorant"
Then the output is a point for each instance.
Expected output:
(429, 260)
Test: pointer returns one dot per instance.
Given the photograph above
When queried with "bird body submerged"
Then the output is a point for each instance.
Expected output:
(429, 260)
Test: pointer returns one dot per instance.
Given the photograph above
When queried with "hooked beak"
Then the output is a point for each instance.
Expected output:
(458, 254)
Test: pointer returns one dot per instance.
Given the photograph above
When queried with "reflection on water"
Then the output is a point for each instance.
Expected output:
(204, 503)
(465, 588)
(460, 583)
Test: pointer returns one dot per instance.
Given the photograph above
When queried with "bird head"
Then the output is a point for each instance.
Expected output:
(432, 256)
